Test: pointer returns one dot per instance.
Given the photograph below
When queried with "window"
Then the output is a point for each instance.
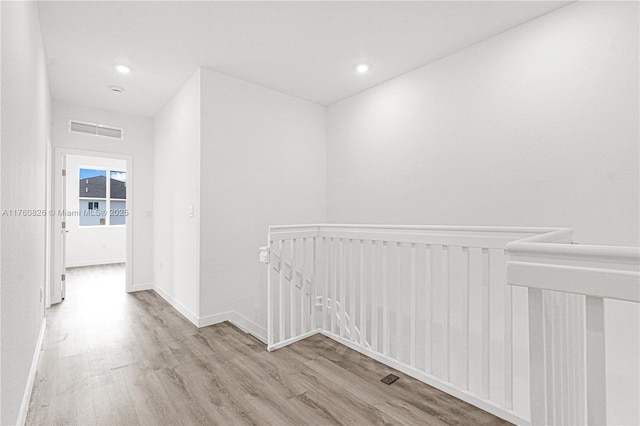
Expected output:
(118, 197)
(102, 197)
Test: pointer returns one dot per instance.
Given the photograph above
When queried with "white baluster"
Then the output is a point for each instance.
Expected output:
(537, 349)
(292, 291)
(352, 294)
(376, 281)
(446, 349)
(270, 300)
(508, 346)
(398, 290)
(385, 308)
(428, 309)
(363, 290)
(413, 301)
(465, 316)
(596, 379)
(334, 289)
(327, 281)
(303, 287)
(486, 309)
(314, 283)
(343, 302)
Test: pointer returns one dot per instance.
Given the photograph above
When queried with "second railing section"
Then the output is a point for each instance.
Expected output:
(429, 301)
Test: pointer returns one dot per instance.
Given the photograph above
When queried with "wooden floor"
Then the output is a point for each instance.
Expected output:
(123, 359)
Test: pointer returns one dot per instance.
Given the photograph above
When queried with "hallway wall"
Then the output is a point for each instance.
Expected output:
(26, 119)
(245, 157)
(263, 163)
(176, 232)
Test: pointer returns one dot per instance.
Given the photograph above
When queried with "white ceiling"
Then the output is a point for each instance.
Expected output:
(306, 49)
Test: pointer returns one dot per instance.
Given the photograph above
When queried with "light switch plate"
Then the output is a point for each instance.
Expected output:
(264, 254)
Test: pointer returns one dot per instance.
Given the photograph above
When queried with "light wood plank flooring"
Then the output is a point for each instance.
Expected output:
(124, 359)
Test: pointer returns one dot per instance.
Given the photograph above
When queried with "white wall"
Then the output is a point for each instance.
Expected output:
(138, 143)
(176, 235)
(538, 126)
(91, 245)
(26, 109)
(263, 163)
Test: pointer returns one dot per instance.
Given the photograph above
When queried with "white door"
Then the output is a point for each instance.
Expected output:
(64, 230)
(58, 289)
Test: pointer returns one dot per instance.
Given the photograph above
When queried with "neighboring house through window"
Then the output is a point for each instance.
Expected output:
(102, 203)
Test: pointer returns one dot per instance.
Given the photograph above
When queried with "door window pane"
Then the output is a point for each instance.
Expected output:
(118, 213)
(118, 185)
(92, 212)
(93, 183)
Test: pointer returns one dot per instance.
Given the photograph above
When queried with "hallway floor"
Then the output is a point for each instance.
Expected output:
(114, 358)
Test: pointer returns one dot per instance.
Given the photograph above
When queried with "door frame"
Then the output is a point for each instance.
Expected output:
(56, 228)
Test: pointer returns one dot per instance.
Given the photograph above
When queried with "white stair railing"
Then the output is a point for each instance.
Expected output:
(567, 285)
(431, 301)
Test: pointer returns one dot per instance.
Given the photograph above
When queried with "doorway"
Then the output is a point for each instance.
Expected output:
(93, 226)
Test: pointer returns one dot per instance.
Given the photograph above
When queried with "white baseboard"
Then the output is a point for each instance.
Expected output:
(71, 264)
(233, 317)
(239, 321)
(213, 319)
(193, 318)
(140, 287)
(26, 398)
(248, 326)
(293, 340)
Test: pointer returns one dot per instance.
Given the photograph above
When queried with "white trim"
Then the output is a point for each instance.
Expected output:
(243, 323)
(293, 340)
(213, 319)
(620, 284)
(24, 407)
(464, 395)
(509, 229)
(193, 318)
(248, 326)
(239, 321)
(586, 254)
(95, 262)
(469, 236)
(140, 287)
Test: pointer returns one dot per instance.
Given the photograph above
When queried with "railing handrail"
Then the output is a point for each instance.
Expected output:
(576, 269)
(505, 229)
(596, 272)
(617, 255)
(466, 236)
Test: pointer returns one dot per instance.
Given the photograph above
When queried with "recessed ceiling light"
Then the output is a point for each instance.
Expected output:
(116, 89)
(362, 68)
(123, 69)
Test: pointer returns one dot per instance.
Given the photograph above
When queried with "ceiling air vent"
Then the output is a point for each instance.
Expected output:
(95, 129)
